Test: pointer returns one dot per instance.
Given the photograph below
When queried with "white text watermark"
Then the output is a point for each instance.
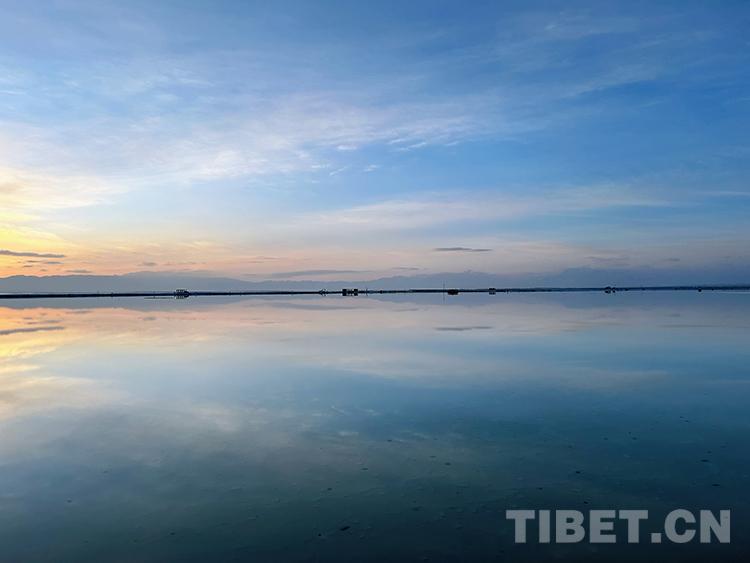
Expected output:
(598, 526)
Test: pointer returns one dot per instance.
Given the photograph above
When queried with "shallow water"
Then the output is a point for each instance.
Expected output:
(363, 429)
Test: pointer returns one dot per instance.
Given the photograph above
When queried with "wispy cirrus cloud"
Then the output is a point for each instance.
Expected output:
(460, 249)
(189, 118)
(429, 209)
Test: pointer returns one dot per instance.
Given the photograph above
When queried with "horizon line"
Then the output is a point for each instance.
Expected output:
(353, 292)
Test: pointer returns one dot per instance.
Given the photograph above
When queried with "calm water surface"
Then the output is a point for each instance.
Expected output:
(358, 429)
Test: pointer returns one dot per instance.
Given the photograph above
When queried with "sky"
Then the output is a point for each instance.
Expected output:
(354, 140)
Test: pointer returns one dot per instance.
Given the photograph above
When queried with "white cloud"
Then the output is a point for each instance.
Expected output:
(436, 209)
(34, 191)
(286, 135)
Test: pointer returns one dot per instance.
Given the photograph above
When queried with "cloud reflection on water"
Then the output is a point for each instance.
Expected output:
(290, 418)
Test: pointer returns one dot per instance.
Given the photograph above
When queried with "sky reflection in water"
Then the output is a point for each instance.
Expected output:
(361, 429)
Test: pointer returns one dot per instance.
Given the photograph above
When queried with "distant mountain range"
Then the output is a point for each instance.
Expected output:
(165, 281)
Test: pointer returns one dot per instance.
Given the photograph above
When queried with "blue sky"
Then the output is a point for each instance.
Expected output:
(253, 138)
